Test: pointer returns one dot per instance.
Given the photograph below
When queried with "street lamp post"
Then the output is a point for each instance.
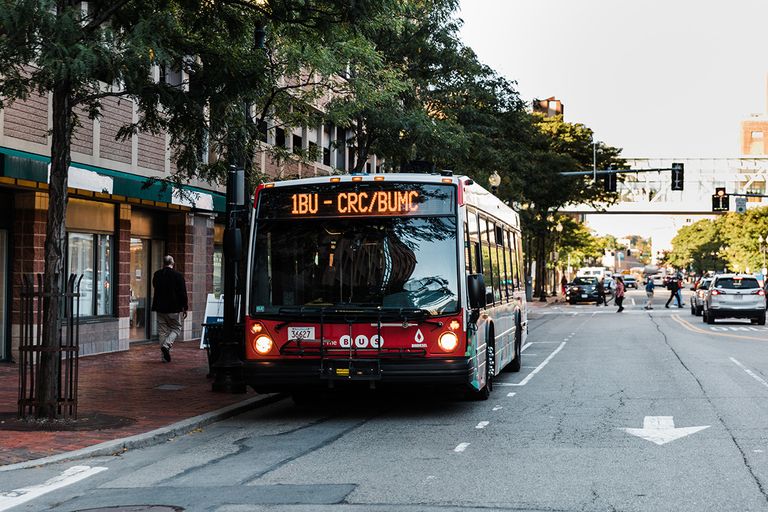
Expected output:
(494, 180)
(559, 230)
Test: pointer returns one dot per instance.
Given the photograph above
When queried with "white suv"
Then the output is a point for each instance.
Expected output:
(735, 296)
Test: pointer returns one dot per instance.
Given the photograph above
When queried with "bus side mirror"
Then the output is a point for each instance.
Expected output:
(476, 291)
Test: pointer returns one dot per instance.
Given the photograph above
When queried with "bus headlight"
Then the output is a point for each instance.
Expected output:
(448, 341)
(263, 344)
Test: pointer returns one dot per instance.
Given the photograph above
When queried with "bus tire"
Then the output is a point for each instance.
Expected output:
(485, 392)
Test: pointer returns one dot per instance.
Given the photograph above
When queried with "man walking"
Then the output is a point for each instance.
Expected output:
(673, 287)
(600, 287)
(649, 286)
(169, 301)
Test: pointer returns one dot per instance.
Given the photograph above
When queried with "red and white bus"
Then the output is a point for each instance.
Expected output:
(410, 278)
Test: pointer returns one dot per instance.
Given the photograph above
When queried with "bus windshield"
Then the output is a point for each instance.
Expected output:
(387, 262)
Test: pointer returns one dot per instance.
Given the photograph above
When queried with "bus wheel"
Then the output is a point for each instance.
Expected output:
(485, 392)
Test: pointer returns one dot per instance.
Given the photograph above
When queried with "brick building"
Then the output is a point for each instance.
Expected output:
(118, 228)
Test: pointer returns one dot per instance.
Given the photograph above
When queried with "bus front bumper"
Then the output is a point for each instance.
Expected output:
(271, 376)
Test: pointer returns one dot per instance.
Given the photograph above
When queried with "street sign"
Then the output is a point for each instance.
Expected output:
(661, 430)
(741, 204)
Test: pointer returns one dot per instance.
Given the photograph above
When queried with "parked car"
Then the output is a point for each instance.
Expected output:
(582, 289)
(734, 296)
(630, 282)
(699, 294)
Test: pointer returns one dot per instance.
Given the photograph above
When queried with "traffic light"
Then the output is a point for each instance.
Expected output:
(609, 181)
(677, 176)
(720, 200)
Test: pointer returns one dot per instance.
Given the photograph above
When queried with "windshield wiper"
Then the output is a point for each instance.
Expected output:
(381, 313)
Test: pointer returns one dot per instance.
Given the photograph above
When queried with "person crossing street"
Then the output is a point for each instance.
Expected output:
(619, 296)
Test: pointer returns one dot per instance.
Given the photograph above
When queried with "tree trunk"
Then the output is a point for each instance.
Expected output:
(361, 155)
(48, 373)
(541, 268)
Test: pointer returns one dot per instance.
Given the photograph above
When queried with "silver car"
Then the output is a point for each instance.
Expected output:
(699, 294)
(734, 296)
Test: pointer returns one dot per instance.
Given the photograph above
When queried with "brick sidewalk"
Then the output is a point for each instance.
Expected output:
(135, 386)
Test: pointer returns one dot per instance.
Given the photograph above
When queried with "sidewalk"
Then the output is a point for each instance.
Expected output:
(120, 395)
(536, 302)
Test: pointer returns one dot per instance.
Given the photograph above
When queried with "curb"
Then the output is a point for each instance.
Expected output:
(153, 437)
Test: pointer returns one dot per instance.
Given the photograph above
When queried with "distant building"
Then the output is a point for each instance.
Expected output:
(754, 135)
(550, 107)
(754, 142)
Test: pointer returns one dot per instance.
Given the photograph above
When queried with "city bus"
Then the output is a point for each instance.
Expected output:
(385, 278)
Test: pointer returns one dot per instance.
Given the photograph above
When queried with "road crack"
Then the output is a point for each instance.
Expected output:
(743, 453)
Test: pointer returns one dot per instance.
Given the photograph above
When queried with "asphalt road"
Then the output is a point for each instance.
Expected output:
(552, 437)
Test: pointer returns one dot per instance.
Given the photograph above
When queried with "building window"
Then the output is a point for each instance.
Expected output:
(280, 137)
(757, 135)
(297, 143)
(90, 255)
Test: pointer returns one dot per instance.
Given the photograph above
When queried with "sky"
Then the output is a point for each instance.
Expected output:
(658, 78)
(670, 78)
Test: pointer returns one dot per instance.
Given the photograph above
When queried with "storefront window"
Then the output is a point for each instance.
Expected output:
(90, 255)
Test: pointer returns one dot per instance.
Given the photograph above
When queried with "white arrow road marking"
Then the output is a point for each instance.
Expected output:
(511, 394)
(497, 408)
(661, 430)
(461, 447)
(9, 499)
(482, 424)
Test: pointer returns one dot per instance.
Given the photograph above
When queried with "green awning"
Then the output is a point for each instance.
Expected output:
(33, 167)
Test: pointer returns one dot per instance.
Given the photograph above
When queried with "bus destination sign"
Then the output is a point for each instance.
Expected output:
(356, 199)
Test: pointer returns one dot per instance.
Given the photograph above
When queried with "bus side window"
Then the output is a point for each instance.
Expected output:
(519, 254)
(474, 240)
(509, 286)
(513, 256)
(494, 245)
(487, 264)
(467, 250)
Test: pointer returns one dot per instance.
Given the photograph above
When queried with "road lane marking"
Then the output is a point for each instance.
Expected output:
(482, 424)
(497, 408)
(461, 447)
(689, 327)
(525, 347)
(538, 368)
(510, 395)
(750, 372)
(633, 302)
(9, 499)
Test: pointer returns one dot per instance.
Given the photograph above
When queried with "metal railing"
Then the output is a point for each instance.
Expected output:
(31, 348)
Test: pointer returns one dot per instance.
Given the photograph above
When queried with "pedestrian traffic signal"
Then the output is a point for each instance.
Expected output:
(609, 180)
(720, 200)
(677, 176)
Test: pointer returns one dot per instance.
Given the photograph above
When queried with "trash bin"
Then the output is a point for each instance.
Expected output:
(528, 288)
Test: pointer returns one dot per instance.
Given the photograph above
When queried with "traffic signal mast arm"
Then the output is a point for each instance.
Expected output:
(612, 171)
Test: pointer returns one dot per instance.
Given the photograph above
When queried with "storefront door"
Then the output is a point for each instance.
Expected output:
(146, 259)
(141, 281)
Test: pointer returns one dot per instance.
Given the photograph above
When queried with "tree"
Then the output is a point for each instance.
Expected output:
(80, 56)
(81, 53)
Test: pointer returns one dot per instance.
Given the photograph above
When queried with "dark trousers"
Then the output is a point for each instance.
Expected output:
(674, 295)
(620, 302)
(601, 299)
